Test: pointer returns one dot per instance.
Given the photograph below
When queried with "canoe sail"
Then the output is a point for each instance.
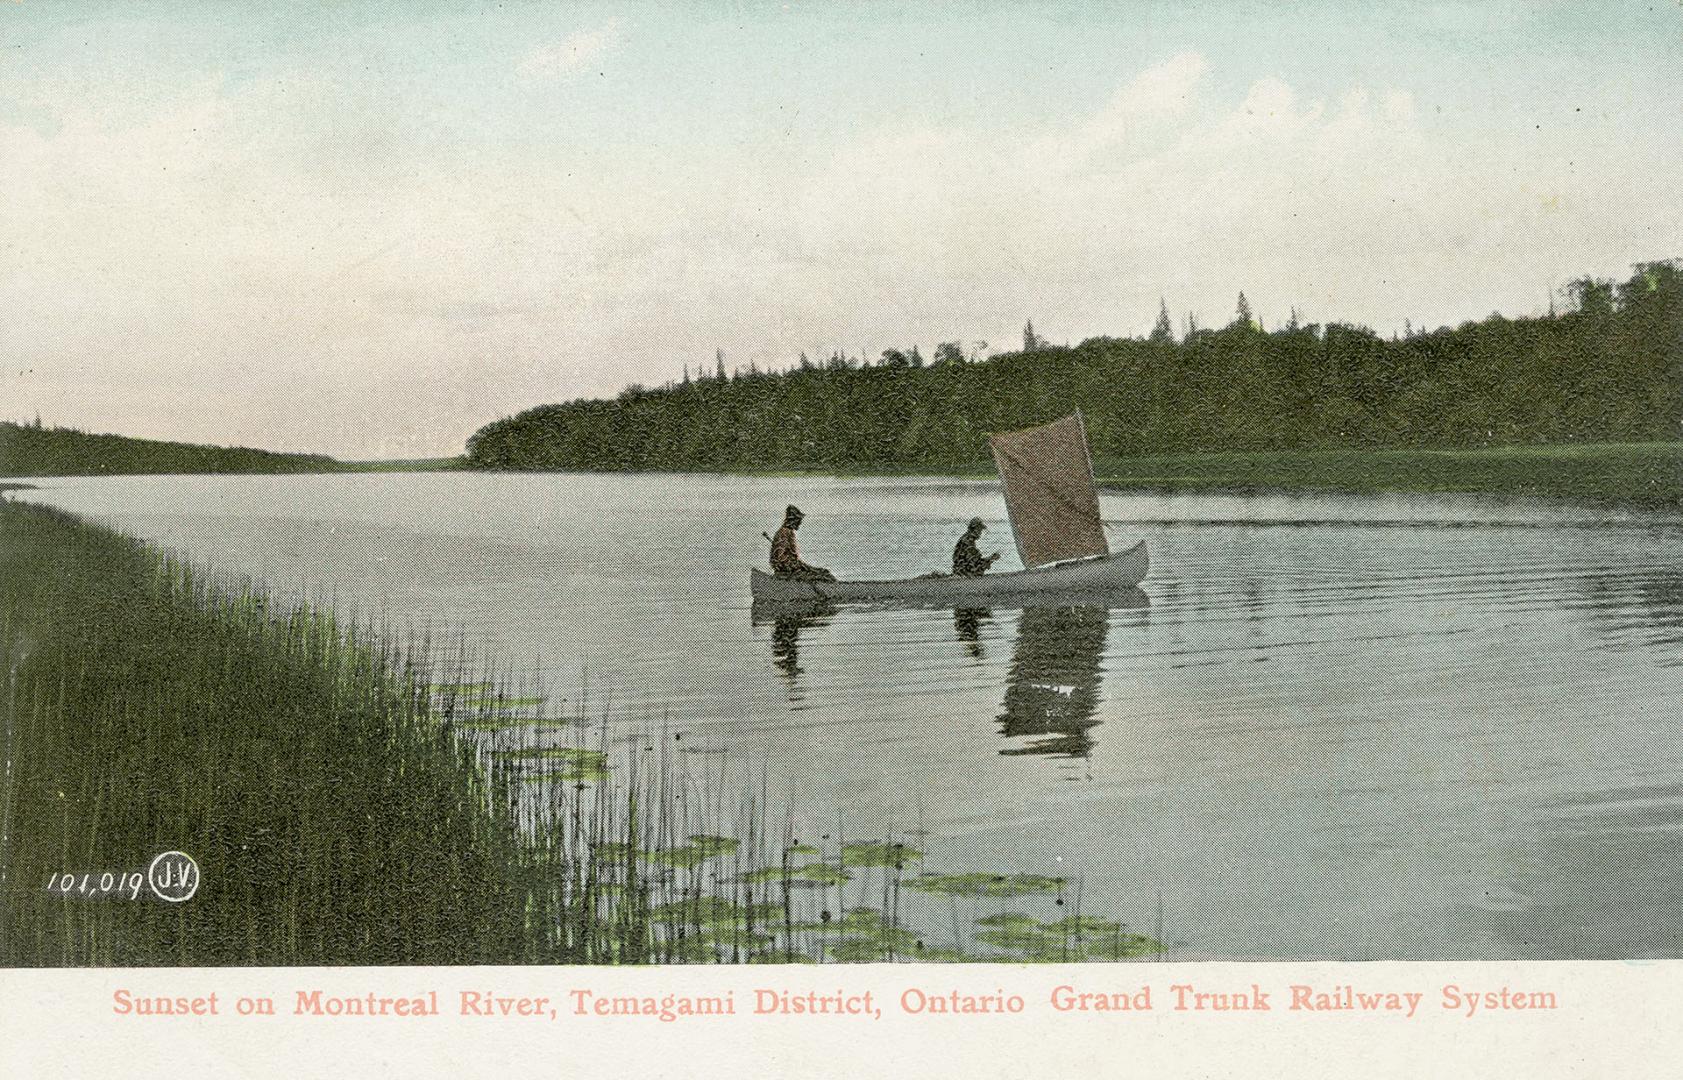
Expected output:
(1049, 492)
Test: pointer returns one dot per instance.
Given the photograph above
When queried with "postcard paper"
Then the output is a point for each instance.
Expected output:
(795, 539)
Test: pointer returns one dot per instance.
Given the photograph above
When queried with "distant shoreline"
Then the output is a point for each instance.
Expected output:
(1645, 476)
(1640, 475)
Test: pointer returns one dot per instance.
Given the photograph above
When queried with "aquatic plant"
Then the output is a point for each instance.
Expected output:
(879, 853)
(148, 706)
(983, 884)
(349, 801)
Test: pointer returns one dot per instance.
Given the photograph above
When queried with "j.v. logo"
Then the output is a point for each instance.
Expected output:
(174, 876)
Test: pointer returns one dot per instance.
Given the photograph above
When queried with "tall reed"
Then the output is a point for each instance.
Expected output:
(353, 802)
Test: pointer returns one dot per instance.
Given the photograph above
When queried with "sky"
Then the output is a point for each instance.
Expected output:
(366, 229)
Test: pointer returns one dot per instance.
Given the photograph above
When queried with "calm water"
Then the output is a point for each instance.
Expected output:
(1326, 727)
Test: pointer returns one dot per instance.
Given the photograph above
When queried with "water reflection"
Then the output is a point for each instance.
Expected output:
(1052, 681)
(1645, 603)
(788, 618)
(967, 624)
(1439, 675)
(1052, 687)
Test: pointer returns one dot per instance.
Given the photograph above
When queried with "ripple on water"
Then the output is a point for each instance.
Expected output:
(1341, 727)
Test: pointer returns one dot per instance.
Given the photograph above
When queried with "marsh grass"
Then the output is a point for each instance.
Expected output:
(149, 707)
(351, 802)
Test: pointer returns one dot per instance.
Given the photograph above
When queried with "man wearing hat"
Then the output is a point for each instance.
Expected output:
(786, 559)
(968, 560)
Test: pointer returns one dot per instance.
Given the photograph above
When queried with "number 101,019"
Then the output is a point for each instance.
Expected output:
(96, 884)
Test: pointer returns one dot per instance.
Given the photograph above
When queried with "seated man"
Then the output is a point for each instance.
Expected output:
(968, 560)
(786, 559)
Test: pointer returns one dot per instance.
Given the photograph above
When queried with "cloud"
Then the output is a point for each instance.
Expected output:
(1352, 208)
(1157, 94)
(232, 262)
(575, 51)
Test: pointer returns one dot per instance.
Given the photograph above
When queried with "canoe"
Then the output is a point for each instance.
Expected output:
(808, 611)
(1102, 573)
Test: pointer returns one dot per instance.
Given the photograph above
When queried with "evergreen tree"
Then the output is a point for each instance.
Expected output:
(1163, 333)
(1610, 371)
(1242, 314)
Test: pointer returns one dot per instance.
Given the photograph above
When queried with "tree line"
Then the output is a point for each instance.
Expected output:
(36, 450)
(1609, 369)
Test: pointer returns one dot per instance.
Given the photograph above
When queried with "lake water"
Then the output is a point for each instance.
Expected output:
(1326, 727)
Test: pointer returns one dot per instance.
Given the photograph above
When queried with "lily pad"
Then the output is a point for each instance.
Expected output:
(886, 943)
(1082, 926)
(1028, 939)
(878, 853)
(714, 845)
(701, 847)
(1010, 920)
(983, 884)
(714, 911)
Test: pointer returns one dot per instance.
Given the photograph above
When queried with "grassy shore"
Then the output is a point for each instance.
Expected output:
(349, 803)
(444, 464)
(146, 708)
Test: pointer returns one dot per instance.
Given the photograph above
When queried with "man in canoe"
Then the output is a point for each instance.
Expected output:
(968, 560)
(786, 558)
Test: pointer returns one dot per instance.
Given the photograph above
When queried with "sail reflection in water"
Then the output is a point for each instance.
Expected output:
(1052, 688)
(1051, 683)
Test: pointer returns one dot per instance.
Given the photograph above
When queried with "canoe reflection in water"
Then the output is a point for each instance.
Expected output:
(1051, 685)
